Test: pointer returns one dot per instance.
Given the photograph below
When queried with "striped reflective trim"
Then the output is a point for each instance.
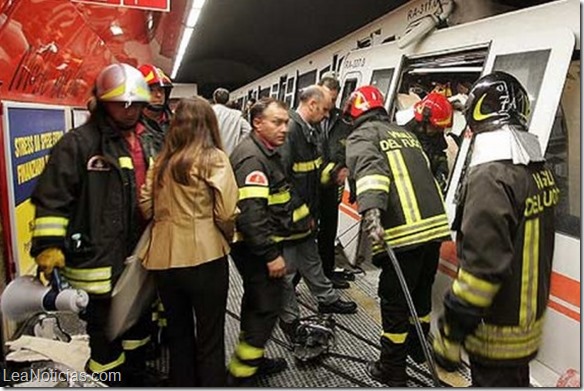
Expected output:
(247, 192)
(307, 166)
(529, 273)
(403, 184)
(114, 92)
(118, 92)
(247, 352)
(300, 213)
(423, 319)
(300, 235)
(414, 238)
(94, 274)
(505, 342)
(396, 337)
(96, 367)
(325, 175)
(422, 225)
(279, 198)
(50, 226)
(373, 182)
(474, 290)
(239, 369)
(133, 344)
(97, 287)
(126, 162)
(150, 161)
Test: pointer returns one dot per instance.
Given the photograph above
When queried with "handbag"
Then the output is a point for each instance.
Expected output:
(134, 292)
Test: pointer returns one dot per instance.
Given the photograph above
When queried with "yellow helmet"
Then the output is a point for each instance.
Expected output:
(121, 83)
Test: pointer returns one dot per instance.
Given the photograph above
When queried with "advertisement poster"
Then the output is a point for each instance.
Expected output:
(31, 133)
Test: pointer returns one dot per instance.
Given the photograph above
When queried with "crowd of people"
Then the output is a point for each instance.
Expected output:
(266, 190)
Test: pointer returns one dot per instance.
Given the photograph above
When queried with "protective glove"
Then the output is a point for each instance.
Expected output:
(49, 259)
(446, 351)
(373, 225)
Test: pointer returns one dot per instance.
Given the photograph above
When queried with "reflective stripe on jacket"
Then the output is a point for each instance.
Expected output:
(392, 174)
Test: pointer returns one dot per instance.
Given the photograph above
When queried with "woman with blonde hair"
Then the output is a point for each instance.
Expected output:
(191, 194)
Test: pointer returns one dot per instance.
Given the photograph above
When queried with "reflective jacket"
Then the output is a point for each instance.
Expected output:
(302, 160)
(86, 205)
(334, 140)
(392, 174)
(270, 212)
(505, 243)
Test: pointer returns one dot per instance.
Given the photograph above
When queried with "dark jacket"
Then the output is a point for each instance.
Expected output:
(334, 140)
(392, 174)
(505, 242)
(86, 205)
(434, 147)
(155, 131)
(270, 211)
(302, 161)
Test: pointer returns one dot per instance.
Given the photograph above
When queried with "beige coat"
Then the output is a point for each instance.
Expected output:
(192, 224)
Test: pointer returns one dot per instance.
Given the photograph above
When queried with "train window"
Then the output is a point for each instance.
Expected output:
(265, 92)
(528, 68)
(304, 81)
(290, 86)
(381, 78)
(350, 85)
(563, 154)
(323, 71)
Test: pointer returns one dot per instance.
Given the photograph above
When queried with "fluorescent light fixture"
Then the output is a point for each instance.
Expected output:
(116, 30)
(194, 13)
(193, 17)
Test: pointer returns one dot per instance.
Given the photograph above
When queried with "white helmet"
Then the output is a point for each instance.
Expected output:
(121, 83)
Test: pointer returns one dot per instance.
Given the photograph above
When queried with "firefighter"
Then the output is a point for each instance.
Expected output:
(432, 115)
(505, 241)
(156, 115)
(87, 219)
(334, 132)
(265, 223)
(401, 207)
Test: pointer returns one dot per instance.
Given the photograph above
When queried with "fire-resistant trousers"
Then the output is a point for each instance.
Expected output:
(419, 267)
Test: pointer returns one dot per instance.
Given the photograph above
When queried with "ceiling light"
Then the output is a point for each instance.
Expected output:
(192, 19)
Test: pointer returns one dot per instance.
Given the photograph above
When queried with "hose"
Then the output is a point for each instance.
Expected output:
(412, 308)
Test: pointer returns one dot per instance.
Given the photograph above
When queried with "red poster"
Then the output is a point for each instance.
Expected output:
(157, 5)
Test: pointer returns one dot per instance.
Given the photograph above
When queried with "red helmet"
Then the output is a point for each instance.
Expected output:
(155, 75)
(434, 108)
(363, 99)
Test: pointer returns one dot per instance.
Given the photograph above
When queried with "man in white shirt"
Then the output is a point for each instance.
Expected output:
(232, 126)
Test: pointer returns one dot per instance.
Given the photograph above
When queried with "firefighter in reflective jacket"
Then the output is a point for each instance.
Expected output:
(156, 115)
(432, 115)
(402, 206)
(268, 219)
(505, 241)
(87, 221)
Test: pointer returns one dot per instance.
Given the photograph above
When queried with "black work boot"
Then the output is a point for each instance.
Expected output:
(338, 307)
(377, 373)
(339, 283)
(269, 366)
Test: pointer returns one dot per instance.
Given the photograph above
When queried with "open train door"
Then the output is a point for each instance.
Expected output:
(540, 60)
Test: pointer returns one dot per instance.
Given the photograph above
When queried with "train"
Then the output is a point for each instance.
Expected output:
(447, 45)
(46, 76)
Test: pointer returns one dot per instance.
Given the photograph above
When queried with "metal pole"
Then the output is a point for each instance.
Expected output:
(412, 308)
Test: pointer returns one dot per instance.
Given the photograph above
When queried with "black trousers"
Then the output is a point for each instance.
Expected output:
(419, 267)
(499, 376)
(125, 355)
(262, 298)
(327, 226)
(195, 300)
